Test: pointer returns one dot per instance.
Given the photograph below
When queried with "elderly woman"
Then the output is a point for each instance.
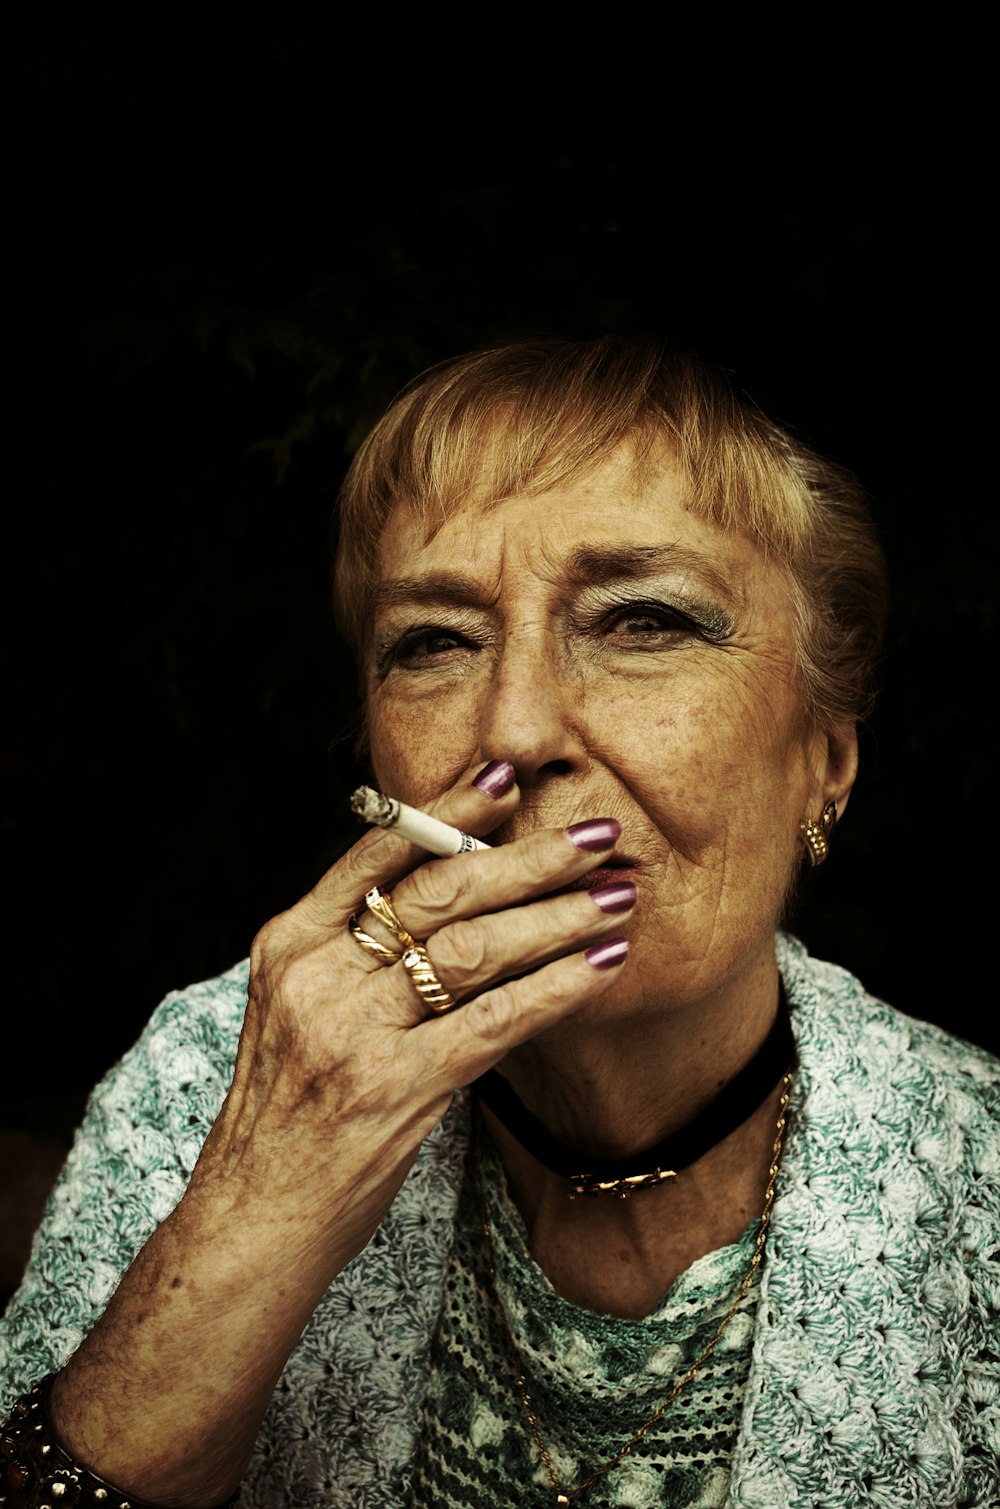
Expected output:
(549, 1172)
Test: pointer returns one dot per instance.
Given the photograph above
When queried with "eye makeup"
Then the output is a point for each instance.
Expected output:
(674, 603)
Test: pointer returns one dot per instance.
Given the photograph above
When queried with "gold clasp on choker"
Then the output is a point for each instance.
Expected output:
(590, 1185)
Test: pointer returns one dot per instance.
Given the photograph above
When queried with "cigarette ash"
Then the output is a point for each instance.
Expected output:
(372, 807)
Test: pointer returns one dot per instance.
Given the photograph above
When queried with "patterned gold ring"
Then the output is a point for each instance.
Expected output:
(425, 982)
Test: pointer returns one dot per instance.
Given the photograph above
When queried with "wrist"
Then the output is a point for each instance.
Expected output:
(36, 1471)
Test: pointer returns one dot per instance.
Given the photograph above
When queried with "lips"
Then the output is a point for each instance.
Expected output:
(618, 869)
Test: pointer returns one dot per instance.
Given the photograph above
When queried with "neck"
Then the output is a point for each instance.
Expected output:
(615, 1093)
(610, 1093)
(620, 1257)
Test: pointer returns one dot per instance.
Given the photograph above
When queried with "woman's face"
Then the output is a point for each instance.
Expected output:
(633, 662)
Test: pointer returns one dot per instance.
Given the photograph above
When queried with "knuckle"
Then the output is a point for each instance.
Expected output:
(266, 945)
(548, 990)
(437, 887)
(286, 968)
(462, 953)
(536, 862)
(280, 935)
(295, 975)
(352, 873)
(489, 1015)
(518, 1009)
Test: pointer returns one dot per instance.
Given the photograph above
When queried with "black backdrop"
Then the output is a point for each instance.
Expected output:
(229, 252)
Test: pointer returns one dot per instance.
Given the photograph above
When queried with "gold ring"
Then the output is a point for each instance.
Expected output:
(387, 955)
(380, 902)
(425, 982)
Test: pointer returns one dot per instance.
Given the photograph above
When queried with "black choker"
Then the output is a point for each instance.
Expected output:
(734, 1103)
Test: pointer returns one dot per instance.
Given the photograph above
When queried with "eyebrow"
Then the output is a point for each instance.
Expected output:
(595, 565)
(450, 588)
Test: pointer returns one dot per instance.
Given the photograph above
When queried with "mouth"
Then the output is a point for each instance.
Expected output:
(617, 869)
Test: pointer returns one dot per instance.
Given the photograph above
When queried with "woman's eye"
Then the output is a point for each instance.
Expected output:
(640, 623)
(657, 625)
(423, 646)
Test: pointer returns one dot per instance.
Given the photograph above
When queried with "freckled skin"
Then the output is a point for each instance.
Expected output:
(698, 748)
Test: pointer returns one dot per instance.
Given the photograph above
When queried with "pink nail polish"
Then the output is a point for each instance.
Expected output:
(495, 779)
(607, 955)
(599, 833)
(615, 898)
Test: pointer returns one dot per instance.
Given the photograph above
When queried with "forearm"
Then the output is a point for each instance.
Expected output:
(165, 1397)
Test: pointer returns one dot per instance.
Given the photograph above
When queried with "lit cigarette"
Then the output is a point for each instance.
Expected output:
(419, 827)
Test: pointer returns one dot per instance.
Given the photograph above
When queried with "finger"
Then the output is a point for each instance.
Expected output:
(443, 891)
(461, 1046)
(469, 957)
(382, 856)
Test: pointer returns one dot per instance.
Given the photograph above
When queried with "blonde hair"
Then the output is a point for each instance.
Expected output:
(523, 418)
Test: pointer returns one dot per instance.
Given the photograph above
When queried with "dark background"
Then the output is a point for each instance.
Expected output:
(227, 254)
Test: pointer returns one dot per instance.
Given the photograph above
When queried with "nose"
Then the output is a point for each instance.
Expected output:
(531, 714)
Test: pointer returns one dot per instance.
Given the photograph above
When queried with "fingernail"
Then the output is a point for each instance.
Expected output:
(615, 898)
(495, 779)
(599, 833)
(607, 955)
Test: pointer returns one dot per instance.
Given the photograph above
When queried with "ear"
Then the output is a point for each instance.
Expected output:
(836, 765)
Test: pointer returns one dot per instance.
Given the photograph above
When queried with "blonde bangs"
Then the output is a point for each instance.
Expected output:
(523, 419)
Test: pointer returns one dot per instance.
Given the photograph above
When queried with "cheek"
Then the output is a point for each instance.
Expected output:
(715, 769)
(417, 753)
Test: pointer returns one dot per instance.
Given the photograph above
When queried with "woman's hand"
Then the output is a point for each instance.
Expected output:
(339, 1067)
(340, 1075)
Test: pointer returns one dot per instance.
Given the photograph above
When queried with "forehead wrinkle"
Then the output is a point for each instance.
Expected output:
(544, 558)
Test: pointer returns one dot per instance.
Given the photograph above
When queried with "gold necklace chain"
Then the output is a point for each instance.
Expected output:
(567, 1495)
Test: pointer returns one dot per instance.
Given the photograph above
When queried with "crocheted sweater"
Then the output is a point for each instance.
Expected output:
(875, 1376)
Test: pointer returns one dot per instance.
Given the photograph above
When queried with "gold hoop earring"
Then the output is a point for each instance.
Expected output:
(816, 835)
